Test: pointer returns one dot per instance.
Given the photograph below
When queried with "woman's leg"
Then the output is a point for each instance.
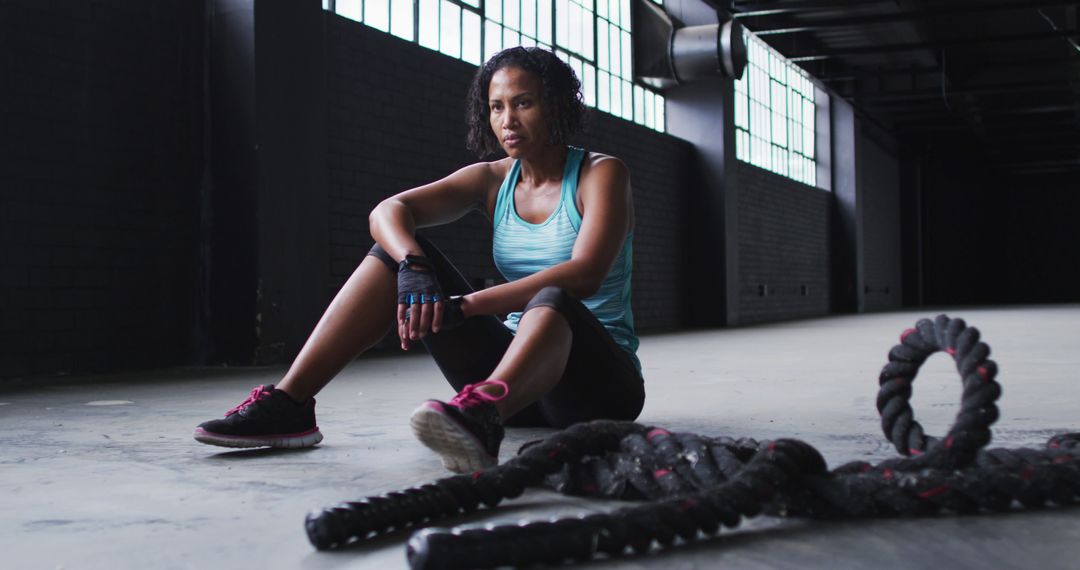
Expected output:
(358, 317)
(534, 362)
(569, 364)
(284, 416)
(561, 367)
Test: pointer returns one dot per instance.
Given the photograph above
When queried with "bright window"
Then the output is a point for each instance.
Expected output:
(592, 36)
(774, 114)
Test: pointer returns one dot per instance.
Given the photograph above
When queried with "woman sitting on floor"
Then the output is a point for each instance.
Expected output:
(563, 223)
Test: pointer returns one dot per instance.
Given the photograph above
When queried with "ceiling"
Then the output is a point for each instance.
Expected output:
(1000, 75)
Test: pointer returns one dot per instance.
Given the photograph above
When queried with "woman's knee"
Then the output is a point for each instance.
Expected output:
(553, 297)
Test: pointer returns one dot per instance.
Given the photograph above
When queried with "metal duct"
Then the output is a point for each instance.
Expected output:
(666, 53)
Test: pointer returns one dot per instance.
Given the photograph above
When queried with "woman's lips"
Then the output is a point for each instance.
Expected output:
(512, 140)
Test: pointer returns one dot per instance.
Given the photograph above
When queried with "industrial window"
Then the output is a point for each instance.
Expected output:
(592, 36)
(774, 114)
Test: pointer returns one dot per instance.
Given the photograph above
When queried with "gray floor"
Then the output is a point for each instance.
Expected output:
(102, 472)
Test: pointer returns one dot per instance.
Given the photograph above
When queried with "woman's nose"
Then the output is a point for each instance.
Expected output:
(509, 118)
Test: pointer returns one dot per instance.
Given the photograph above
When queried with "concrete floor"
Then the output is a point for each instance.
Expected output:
(102, 472)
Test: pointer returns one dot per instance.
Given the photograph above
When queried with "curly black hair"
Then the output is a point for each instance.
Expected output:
(563, 107)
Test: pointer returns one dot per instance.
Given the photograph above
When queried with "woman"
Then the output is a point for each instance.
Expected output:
(563, 221)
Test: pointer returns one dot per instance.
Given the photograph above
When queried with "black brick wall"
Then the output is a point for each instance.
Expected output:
(881, 255)
(391, 100)
(99, 183)
(783, 247)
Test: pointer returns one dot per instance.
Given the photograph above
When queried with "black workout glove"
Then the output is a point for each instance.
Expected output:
(452, 315)
(416, 283)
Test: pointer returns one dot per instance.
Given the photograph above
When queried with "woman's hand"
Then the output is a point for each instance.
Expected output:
(422, 309)
(420, 299)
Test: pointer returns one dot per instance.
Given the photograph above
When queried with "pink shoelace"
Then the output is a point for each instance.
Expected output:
(471, 394)
(257, 393)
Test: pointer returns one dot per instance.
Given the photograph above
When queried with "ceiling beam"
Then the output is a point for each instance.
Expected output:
(753, 9)
(749, 19)
(854, 51)
(948, 91)
(850, 74)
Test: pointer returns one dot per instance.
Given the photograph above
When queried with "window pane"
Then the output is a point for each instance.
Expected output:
(588, 85)
(624, 14)
(574, 21)
(616, 97)
(740, 110)
(492, 39)
(562, 17)
(613, 11)
(614, 50)
(510, 38)
(470, 35)
(627, 70)
(377, 14)
(512, 14)
(602, 46)
(526, 41)
(660, 116)
(429, 24)
(493, 10)
(351, 9)
(628, 100)
(603, 92)
(588, 28)
(639, 105)
(401, 18)
(450, 30)
(528, 17)
(602, 8)
(473, 3)
(543, 21)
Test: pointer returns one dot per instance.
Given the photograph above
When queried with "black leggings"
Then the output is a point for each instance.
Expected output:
(600, 380)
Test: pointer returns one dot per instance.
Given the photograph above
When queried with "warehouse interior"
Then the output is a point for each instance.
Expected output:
(186, 185)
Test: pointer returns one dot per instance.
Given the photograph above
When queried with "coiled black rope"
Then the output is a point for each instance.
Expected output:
(699, 483)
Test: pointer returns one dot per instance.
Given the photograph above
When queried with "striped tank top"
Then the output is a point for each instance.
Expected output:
(521, 248)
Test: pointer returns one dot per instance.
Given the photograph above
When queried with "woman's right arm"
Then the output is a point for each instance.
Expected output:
(394, 221)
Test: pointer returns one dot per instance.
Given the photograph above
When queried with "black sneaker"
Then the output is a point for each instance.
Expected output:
(466, 431)
(268, 417)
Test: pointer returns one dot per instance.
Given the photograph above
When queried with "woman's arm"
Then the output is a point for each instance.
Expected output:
(607, 216)
(393, 223)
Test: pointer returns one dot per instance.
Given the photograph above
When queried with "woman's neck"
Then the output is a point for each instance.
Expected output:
(545, 166)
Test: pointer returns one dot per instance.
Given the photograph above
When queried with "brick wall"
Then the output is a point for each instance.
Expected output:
(391, 100)
(783, 247)
(880, 180)
(101, 146)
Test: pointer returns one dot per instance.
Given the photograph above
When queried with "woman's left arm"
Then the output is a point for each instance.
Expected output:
(607, 216)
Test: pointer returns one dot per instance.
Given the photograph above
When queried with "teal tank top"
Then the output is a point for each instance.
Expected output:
(521, 248)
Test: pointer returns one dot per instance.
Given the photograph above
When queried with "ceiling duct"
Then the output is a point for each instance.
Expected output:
(667, 53)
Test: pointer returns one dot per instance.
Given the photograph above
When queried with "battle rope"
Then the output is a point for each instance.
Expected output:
(699, 483)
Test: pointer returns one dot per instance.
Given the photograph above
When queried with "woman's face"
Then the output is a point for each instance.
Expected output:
(516, 113)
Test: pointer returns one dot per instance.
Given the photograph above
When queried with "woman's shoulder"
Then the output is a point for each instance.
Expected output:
(496, 170)
(602, 166)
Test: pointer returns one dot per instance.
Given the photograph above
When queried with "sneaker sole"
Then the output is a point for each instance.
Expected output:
(288, 441)
(460, 450)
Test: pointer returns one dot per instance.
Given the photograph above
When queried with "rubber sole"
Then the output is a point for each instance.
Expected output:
(460, 450)
(286, 441)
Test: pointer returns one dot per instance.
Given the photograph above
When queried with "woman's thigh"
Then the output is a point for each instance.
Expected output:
(600, 380)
